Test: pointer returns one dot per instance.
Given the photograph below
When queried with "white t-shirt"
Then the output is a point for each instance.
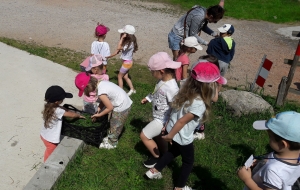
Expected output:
(127, 54)
(52, 133)
(185, 135)
(117, 96)
(164, 93)
(101, 48)
(275, 173)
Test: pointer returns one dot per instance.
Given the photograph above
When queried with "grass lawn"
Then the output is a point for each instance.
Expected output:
(277, 11)
(229, 140)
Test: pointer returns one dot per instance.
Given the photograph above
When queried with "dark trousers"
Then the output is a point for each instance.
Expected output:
(187, 155)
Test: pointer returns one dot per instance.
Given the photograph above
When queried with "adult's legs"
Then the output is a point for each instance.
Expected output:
(175, 54)
(174, 43)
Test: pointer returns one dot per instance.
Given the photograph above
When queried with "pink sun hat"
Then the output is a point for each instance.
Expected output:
(101, 30)
(207, 72)
(162, 60)
(81, 81)
(94, 61)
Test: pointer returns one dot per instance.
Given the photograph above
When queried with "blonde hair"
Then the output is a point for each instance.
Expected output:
(91, 86)
(193, 89)
(49, 113)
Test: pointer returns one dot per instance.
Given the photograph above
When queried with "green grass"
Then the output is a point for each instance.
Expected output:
(229, 140)
(277, 11)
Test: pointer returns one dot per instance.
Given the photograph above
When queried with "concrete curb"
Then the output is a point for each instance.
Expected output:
(51, 170)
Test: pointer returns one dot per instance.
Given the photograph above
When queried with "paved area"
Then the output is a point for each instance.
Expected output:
(24, 80)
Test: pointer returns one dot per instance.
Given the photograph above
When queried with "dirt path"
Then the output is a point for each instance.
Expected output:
(70, 24)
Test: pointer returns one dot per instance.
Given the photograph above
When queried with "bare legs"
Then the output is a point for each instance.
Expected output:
(153, 147)
(175, 54)
(126, 78)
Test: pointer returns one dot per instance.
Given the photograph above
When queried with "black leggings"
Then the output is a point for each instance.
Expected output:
(187, 155)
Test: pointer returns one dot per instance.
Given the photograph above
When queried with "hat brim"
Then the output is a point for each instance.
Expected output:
(174, 65)
(88, 68)
(222, 30)
(121, 31)
(222, 80)
(198, 47)
(80, 93)
(260, 125)
(68, 95)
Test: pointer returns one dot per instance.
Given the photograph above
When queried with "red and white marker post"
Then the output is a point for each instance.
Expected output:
(262, 73)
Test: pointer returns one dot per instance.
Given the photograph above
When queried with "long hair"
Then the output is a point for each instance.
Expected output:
(193, 89)
(49, 113)
(91, 86)
(183, 49)
(130, 38)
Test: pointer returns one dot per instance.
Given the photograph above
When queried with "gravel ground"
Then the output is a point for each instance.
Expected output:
(70, 24)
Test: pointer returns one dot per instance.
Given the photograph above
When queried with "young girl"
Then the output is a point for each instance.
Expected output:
(191, 105)
(162, 68)
(96, 69)
(113, 98)
(99, 46)
(52, 115)
(190, 45)
(128, 46)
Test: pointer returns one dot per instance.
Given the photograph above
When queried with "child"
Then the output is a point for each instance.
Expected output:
(128, 46)
(190, 106)
(199, 131)
(190, 45)
(113, 98)
(223, 47)
(52, 115)
(162, 68)
(279, 169)
(99, 46)
(96, 69)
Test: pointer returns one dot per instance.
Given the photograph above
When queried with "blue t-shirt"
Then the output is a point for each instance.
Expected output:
(185, 135)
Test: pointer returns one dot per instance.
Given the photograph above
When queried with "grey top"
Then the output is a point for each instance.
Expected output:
(195, 22)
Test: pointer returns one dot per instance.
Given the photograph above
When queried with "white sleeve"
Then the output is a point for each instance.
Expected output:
(197, 108)
(271, 180)
(59, 113)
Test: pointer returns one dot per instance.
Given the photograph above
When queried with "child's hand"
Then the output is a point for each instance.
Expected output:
(94, 117)
(163, 130)
(144, 101)
(124, 35)
(243, 173)
(167, 138)
(81, 117)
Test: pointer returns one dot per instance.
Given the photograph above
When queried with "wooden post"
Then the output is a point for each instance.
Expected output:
(292, 71)
(281, 91)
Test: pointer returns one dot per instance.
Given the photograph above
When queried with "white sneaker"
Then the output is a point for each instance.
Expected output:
(106, 145)
(199, 136)
(187, 188)
(153, 175)
(105, 139)
(131, 92)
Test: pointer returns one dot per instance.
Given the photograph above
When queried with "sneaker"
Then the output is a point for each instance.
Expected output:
(187, 188)
(131, 92)
(199, 136)
(153, 175)
(105, 139)
(150, 163)
(106, 145)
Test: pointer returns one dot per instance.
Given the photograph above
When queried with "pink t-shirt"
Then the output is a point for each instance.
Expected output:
(184, 59)
(93, 95)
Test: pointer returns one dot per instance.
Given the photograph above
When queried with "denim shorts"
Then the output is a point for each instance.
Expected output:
(174, 41)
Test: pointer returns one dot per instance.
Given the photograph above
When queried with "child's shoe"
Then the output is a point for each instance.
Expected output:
(150, 163)
(107, 145)
(199, 136)
(153, 175)
(186, 188)
(131, 92)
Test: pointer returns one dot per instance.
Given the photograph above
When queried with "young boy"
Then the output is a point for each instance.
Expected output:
(223, 47)
(280, 169)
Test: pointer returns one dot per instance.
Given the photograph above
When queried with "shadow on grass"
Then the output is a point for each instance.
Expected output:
(206, 180)
(244, 150)
(138, 124)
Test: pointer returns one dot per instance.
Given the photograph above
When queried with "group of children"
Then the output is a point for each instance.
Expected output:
(177, 111)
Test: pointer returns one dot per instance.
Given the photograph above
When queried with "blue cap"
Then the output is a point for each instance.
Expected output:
(285, 124)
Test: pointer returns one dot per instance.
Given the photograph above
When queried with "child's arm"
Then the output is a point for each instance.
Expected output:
(114, 54)
(178, 126)
(185, 71)
(245, 175)
(73, 115)
(108, 106)
(222, 3)
(144, 101)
